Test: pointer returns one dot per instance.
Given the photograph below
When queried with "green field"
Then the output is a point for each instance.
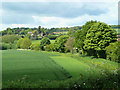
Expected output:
(41, 65)
(36, 65)
(73, 66)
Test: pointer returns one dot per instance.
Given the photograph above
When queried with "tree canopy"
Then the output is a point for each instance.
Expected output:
(80, 35)
(98, 37)
(60, 43)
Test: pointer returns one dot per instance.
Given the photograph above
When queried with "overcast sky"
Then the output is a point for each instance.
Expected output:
(57, 14)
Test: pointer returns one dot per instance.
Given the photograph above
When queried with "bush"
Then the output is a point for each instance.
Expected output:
(9, 38)
(45, 41)
(19, 43)
(60, 43)
(113, 51)
(24, 43)
(50, 47)
(5, 46)
(35, 47)
(52, 37)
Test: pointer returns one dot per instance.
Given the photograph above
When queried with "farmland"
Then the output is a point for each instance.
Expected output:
(42, 65)
(34, 64)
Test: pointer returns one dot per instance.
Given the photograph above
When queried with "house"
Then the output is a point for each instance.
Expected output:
(118, 35)
(42, 34)
(118, 39)
(19, 30)
(29, 32)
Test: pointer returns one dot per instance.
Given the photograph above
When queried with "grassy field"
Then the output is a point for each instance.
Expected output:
(73, 66)
(64, 70)
(38, 41)
(35, 65)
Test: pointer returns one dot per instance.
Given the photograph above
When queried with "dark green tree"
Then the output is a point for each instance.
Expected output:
(60, 43)
(45, 41)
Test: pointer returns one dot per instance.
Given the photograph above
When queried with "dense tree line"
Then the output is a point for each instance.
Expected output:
(94, 39)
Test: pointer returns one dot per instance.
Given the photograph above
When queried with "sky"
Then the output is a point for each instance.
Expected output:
(54, 13)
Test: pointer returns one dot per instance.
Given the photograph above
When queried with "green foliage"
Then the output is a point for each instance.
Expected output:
(52, 37)
(70, 44)
(10, 31)
(71, 32)
(35, 32)
(60, 43)
(35, 47)
(45, 41)
(10, 38)
(3, 46)
(19, 42)
(113, 51)
(80, 35)
(22, 32)
(98, 37)
(24, 43)
(29, 36)
(50, 47)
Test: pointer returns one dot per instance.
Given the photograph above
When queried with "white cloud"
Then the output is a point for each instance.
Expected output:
(110, 18)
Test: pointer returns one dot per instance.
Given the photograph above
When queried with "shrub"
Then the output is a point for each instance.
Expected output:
(35, 47)
(70, 44)
(5, 46)
(60, 43)
(50, 47)
(24, 43)
(45, 41)
(113, 51)
(9, 38)
(52, 37)
(19, 42)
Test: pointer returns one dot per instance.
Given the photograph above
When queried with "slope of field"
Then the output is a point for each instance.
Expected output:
(18, 64)
(33, 69)
(74, 67)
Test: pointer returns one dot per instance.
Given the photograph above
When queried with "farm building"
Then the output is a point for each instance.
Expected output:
(118, 39)
(29, 32)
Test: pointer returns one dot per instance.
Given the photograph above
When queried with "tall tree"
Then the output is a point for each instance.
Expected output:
(80, 35)
(60, 43)
(98, 37)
